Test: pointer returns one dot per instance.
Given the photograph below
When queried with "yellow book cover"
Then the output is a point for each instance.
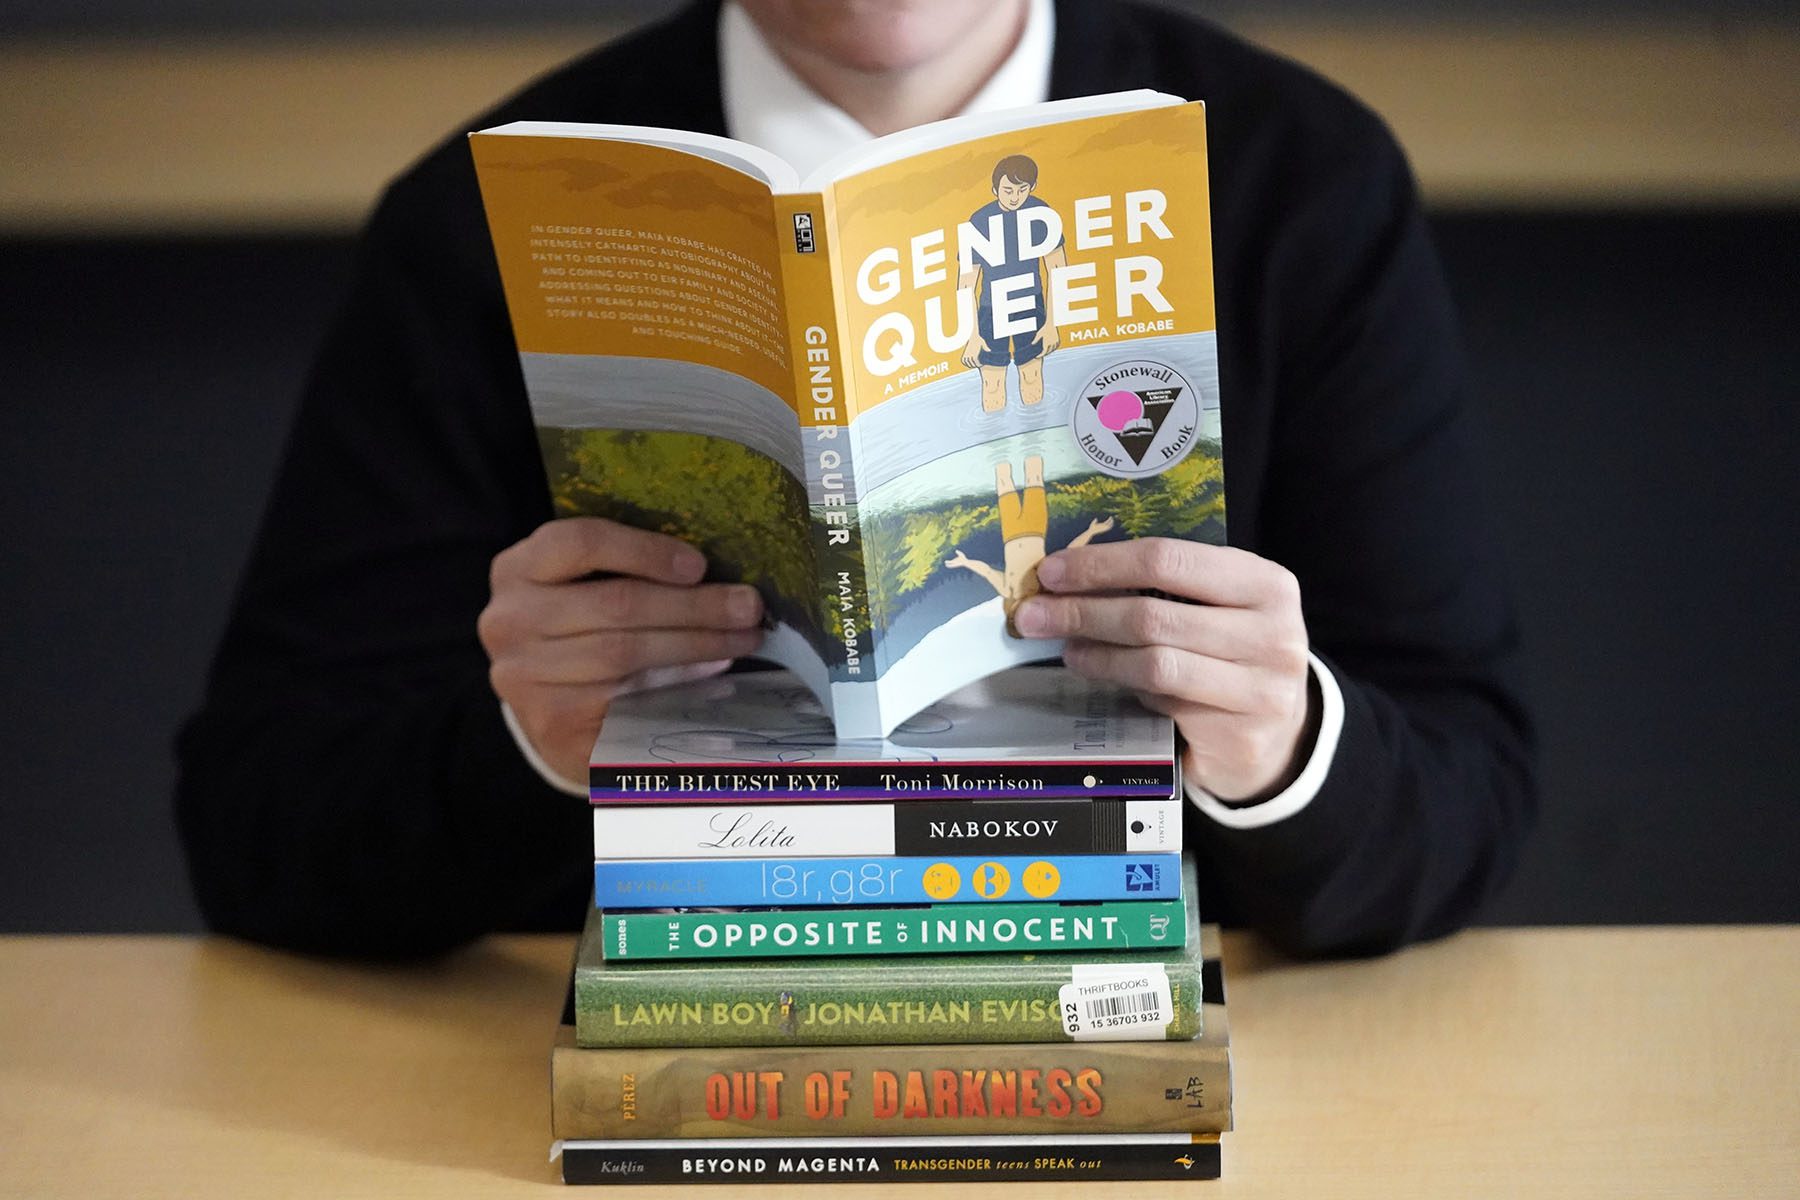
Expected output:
(883, 393)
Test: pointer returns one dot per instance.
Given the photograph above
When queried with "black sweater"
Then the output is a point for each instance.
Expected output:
(348, 785)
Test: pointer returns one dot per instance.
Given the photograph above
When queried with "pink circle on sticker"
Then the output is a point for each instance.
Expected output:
(1119, 409)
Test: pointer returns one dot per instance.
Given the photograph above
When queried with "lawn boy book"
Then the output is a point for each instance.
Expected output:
(895, 929)
(880, 394)
(1147, 995)
(764, 737)
(1071, 1089)
(1000, 1158)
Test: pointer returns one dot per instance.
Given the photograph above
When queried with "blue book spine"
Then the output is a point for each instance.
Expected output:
(793, 882)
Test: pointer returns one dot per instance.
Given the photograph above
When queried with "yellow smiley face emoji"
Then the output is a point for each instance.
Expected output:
(1041, 879)
(942, 881)
(990, 880)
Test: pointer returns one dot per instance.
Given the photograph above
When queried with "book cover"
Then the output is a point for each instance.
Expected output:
(814, 882)
(763, 736)
(910, 929)
(1070, 1089)
(904, 380)
(908, 829)
(994, 997)
(1001, 1158)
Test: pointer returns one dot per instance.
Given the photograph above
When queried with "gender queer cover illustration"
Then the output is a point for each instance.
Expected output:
(883, 395)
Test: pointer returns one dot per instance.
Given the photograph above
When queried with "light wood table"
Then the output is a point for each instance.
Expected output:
(1544, 1063)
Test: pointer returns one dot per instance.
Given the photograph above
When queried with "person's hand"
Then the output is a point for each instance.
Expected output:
(562, 645)
(1231, 668)
(972, 353)
(959, 559)
(1050, 339)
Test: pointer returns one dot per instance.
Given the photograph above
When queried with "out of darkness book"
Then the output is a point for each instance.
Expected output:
(1140, 995)
(883, 393)
(1066, 1088)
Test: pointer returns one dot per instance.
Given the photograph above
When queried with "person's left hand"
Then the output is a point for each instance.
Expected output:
(1230, 668)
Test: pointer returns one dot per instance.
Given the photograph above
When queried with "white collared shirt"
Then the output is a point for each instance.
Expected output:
(767, 105)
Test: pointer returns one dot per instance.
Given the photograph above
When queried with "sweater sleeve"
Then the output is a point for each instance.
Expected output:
(1369, 497)
(349, 784)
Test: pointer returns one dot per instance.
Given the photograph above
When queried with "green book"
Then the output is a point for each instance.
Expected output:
(1134, 995)
(901, 929)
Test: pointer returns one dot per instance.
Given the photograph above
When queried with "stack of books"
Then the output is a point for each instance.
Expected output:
(970, 951)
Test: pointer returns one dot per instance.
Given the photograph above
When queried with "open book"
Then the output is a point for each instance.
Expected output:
(883, 393)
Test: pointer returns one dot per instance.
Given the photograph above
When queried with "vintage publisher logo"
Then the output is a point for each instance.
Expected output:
(1136, 419)
(803, 233)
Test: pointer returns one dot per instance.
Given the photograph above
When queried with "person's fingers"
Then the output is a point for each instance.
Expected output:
(1182, 675)
(1239, 635)
(576, 608)
(1211, 574)
(657, 677)
(615, 655)
(573, 547)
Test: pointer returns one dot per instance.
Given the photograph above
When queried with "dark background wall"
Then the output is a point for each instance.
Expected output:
(1637, 372)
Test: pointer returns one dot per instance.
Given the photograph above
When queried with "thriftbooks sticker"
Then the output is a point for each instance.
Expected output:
(1104, 1002)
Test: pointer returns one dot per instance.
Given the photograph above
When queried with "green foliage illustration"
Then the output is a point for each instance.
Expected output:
(738, 507)
(906, 550)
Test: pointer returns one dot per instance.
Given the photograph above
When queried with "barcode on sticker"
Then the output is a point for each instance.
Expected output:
(1131, 1004)
(1116, 1003)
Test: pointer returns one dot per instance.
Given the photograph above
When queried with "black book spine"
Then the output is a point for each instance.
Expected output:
(873, 1162)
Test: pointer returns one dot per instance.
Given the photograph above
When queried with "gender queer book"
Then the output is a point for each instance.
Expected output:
(763, 737)
(883, 393)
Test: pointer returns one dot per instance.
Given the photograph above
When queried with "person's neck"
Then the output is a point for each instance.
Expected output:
(885, 101)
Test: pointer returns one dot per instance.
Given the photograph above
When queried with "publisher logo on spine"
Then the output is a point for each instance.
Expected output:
(803, 233)
(1141, 877)
(1136, 419)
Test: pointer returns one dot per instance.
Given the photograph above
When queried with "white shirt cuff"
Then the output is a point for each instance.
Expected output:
(1298, 794)
(536, 760)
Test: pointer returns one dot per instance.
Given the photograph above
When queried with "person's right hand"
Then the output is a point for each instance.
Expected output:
(562, 645)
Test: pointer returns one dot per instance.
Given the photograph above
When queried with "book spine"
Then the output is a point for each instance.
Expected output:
(1045, 998)
(660, 783)
(1126, 925)
(873, 1091)
(820, 405)
(1002, 1159)
(911, 828)
(817, 882)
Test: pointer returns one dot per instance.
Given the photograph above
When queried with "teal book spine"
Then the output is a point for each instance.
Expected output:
(929, 929)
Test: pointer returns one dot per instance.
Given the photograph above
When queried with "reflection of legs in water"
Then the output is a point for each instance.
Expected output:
(1024, 519)
(1031, 382)
(993, 388)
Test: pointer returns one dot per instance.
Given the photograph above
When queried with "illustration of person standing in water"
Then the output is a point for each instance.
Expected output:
(1024, 520)
(1019, 282)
